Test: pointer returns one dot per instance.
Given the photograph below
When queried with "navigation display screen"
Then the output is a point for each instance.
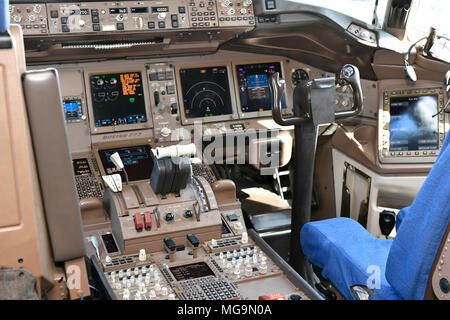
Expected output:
(117, 99)
(253, 81)
(206, 92)
(137, 161)
(412, 125)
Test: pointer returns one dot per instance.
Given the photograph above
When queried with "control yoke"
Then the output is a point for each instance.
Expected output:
(313, 105)
(349, 74)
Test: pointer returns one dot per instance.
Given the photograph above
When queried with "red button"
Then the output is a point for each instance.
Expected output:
(148, 221)
(138, 222)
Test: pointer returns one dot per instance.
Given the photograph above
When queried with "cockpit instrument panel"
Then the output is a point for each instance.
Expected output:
(137, 161)
(253, 87)
(117, 100)
(206, 93)
(412, 125)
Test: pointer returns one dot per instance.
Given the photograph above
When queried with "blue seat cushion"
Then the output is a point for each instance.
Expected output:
(349, 255)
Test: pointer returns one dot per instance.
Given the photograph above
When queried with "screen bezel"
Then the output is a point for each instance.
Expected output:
(188, 121)
(385, 154)
(254, 114)
(114, 145)
(123, 127)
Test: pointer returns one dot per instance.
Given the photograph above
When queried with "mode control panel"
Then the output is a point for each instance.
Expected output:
(31, 17)
(116, 16)
(163, 94)
(94, 17)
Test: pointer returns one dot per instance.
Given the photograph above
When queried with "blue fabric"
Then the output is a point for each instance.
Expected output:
(4, 15)
(344, 249)
(420, 233)
(335, 246)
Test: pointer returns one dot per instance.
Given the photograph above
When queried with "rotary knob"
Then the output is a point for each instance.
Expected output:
(165, 132)
(162, 15)
(243, 11)
(169, 216)
(247, 3)
(37, 8)
(31, 18)
(231, 11)
(226, 3)
(17, 19)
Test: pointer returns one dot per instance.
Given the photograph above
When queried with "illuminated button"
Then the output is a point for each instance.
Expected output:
(120, 26)
(151, 25)
(95, 19)
(181, 10)
(169, 76)
(161, 24)
(96, 27)
(54, 14)
(65, 28)
(64, 20)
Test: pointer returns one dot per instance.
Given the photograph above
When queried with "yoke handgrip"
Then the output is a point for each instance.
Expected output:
(277, 86)
(350, 74)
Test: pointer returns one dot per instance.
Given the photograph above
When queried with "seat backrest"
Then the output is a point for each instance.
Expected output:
(420, 232)
(4, 16)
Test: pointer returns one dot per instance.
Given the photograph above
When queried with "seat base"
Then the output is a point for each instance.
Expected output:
(348, 256)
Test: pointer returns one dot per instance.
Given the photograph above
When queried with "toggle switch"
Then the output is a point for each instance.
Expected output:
(138, 223)
(147, 221)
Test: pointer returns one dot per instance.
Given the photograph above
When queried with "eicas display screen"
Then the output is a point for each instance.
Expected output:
(137, 161)
(206, 92)
(117, 99)
(253, 81)
(412, 125)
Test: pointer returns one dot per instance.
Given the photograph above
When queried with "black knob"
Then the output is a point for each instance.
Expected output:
(188, 214)
(169, 216)
(444, 285)
(295, 297)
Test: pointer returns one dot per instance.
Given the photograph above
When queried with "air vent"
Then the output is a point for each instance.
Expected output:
(110, 44)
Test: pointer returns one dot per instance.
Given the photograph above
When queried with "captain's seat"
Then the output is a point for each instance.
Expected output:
(395, 269)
